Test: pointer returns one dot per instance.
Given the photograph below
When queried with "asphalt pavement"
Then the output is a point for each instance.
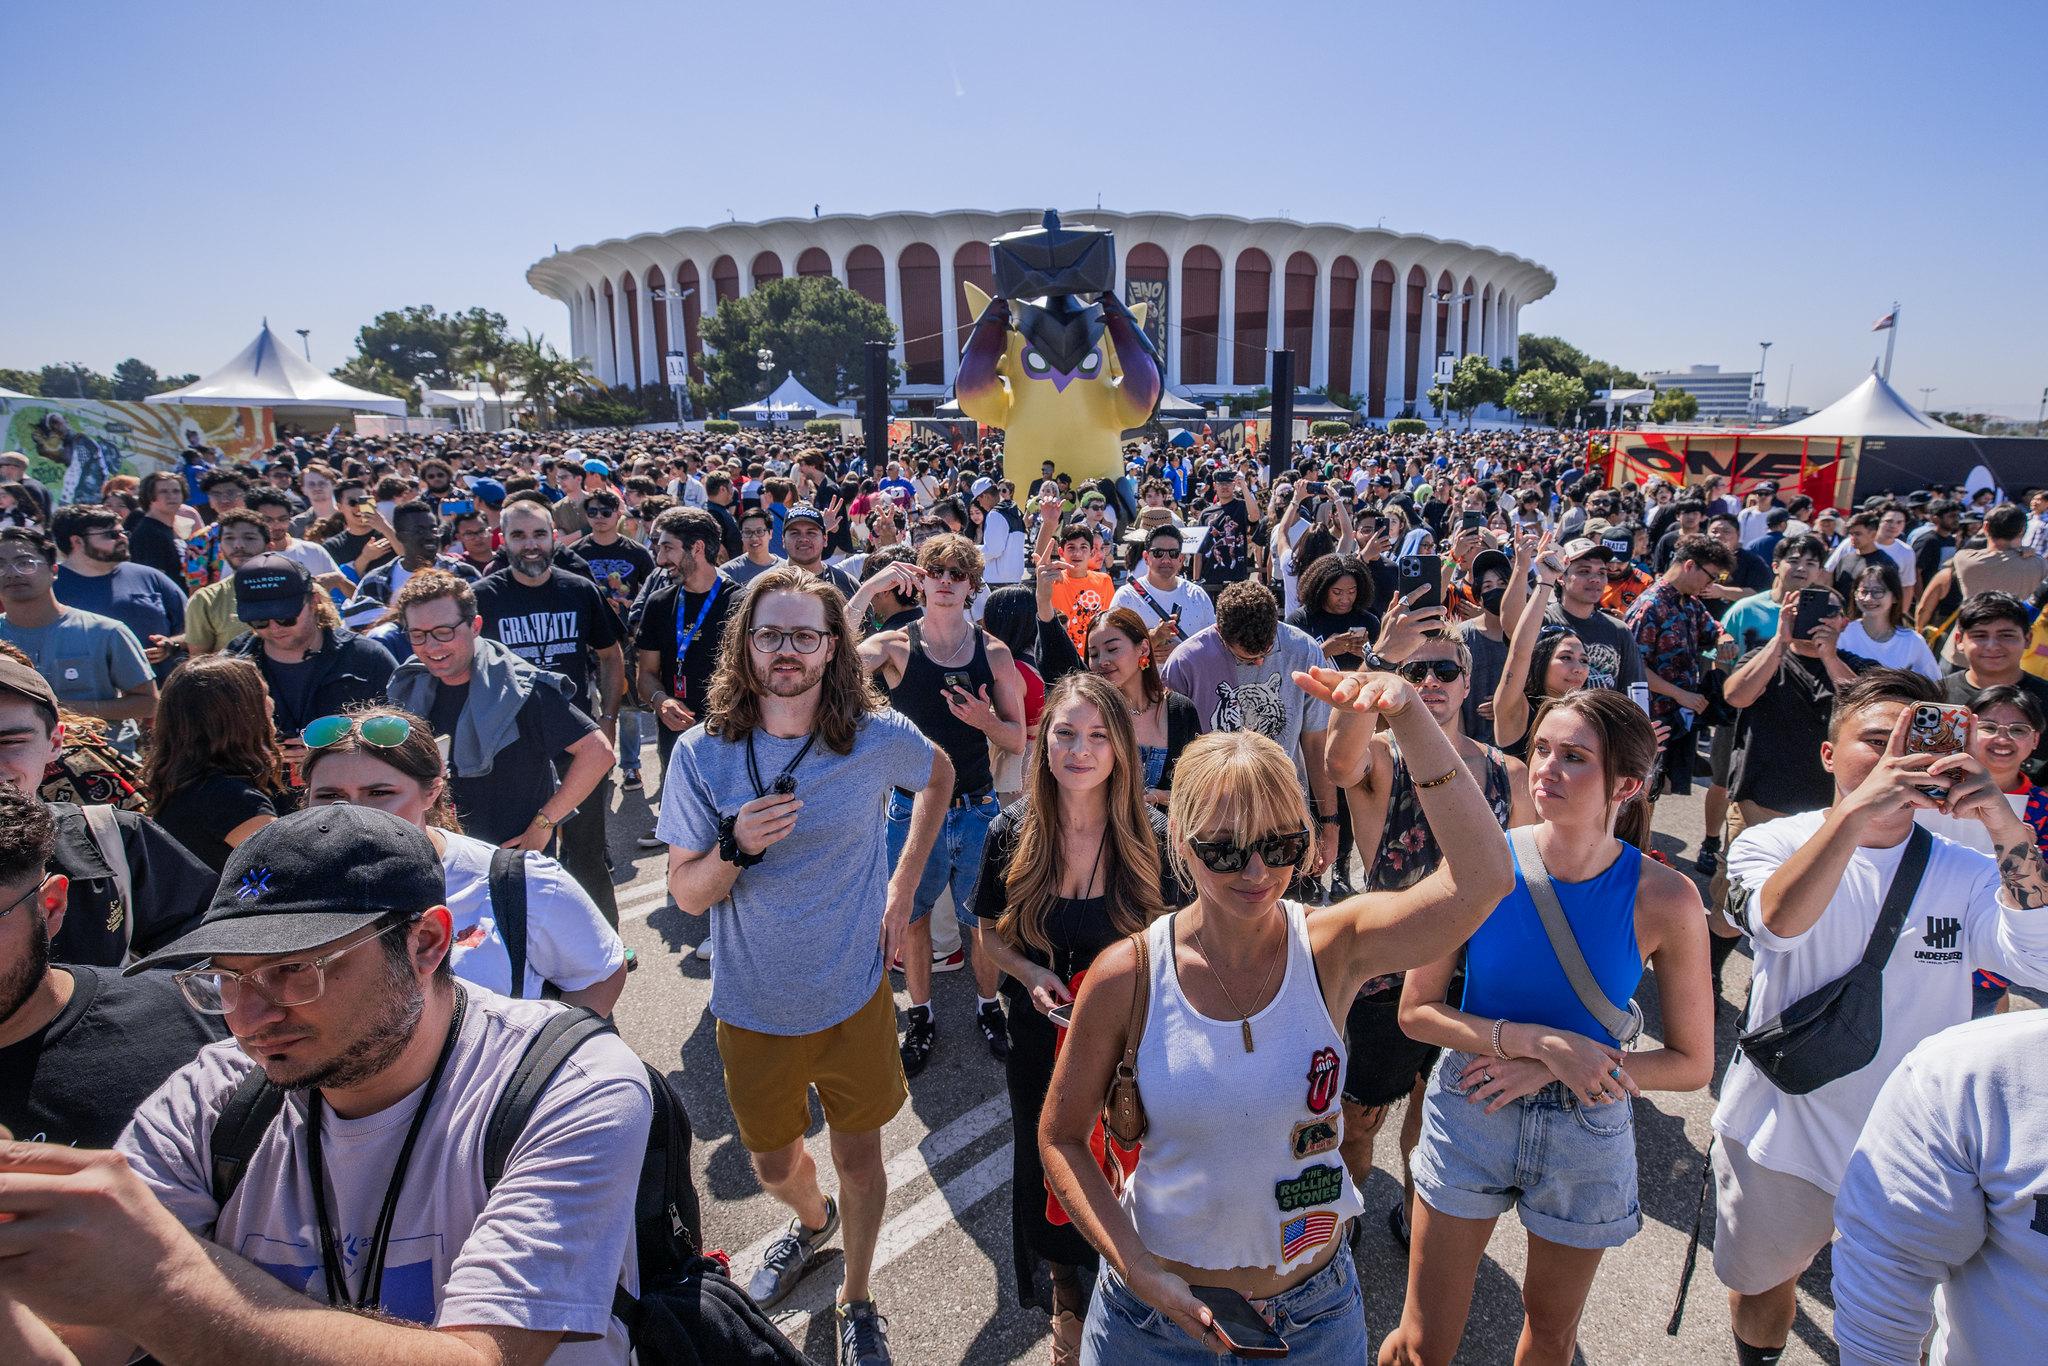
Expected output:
(943, 1266)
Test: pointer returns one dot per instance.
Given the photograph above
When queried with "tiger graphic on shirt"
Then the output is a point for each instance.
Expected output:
(1252, 706)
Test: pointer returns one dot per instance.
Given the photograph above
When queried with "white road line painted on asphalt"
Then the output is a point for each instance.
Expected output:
(941, 1209)
(907, 1166)
(640, 902)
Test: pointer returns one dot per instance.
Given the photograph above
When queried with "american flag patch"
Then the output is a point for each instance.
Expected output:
(1311, 1230)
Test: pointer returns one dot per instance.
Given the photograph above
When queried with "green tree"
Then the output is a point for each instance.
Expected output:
(378, 377)
(421, 343)
(21, 381)
(1560, 357)
(1547, 395)
(1474, 384)
(544, 374)
(1674, 405)
(134, 381)
(814, 326)
(170, 382)
(72, 380)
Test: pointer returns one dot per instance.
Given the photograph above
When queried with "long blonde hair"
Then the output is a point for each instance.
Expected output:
(1130, 852)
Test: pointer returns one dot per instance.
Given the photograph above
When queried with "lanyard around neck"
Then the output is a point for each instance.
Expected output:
(371, 1294)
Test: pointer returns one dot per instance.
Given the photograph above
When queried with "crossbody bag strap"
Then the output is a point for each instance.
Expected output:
(106, 837)
(1140, 1004)
(1622, 1024)
(508, 908)
(1898, 899)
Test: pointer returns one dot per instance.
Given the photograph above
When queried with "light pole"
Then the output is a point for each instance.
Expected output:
(308, 346)
(1756, 397)
(1925, 390)
(682, 391)
(1443, 345)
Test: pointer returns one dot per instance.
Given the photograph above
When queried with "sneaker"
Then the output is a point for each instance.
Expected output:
(1341, 889)
(1709, 859)
(1397, 1224)
(630, 783)
(703, 950)
(863, 1335)
(632, 961)
(918, 1037)
(949, 962)
(650, 840)
(994, 1028)
(790, 1256)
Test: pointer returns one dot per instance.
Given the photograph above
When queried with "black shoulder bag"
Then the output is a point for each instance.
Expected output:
(1835, 1030)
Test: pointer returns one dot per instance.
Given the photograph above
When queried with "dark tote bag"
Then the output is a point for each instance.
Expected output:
(1835, 1030)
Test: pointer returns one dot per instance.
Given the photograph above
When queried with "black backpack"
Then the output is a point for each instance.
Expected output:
(688, 1311)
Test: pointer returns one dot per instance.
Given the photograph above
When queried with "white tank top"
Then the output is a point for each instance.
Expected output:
(1240, 1165)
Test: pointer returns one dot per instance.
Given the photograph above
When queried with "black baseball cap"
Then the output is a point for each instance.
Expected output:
(271, 587)
(804, 512)
(1490, 562)
(309, 879)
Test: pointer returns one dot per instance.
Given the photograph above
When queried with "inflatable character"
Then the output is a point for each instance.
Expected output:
(1055, 359)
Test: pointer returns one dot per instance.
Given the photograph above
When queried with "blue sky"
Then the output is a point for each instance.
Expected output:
(1699, 177)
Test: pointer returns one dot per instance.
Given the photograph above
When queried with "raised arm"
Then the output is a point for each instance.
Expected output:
(1133, 364)
(1510, 695)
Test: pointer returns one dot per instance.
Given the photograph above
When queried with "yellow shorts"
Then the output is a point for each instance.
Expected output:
(853, 1065)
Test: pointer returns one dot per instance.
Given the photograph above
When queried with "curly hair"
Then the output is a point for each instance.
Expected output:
(1247, 616)
(1323, 575)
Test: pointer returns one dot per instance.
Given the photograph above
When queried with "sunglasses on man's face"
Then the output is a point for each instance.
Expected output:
(1275, 851)
(1442, 670)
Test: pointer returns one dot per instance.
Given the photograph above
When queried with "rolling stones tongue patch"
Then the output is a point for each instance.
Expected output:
(1322, 1080)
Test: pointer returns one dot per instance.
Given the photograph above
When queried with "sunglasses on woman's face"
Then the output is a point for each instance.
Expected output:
(1442, 670)
(1275, 851)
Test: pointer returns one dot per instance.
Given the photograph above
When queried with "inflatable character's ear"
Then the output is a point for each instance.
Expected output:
(977, 300)
(1138, 313)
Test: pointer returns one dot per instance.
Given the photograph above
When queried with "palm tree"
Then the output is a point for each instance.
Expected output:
(544, 373)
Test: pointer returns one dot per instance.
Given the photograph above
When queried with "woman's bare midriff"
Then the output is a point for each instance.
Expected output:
(1255, 1282)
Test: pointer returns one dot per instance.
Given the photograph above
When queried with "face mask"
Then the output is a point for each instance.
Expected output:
(1490, 599)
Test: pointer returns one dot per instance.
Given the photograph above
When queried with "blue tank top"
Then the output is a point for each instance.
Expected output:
(1511, 972)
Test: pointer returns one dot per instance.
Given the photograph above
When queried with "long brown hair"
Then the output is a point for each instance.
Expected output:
(846, 695)
(213, 717)
(1628, 749)
(1130, 853)
(416, 757)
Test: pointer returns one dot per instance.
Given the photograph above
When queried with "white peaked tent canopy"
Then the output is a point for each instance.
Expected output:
(10, 393)
(267, 375)
(792, 398)
(1872, 408)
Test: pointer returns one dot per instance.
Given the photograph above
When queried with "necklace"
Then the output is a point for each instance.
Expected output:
(1244, 1019)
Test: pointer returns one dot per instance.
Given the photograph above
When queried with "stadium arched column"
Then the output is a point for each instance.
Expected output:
(1169, 330)
(1226, 319)
(949, 313)
(650, 344)
(1397, 340)
(1319, 326)
(892, 292)
(1425, 370)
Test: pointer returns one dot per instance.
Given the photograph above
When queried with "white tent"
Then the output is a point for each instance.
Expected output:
(791, 400)
(267, 375)
(10, 393)
(1872, 408)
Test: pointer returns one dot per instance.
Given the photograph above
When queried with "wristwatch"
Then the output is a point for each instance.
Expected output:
(1375, 662)
(543, 820)
(729, 845)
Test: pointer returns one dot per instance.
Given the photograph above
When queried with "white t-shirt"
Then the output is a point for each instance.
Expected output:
(1944, 1201)
(310, 556)
(567, 940)
(1904, 650)
(1958, 921)
(1197, 612)
(1902, 556)
(544, 1250)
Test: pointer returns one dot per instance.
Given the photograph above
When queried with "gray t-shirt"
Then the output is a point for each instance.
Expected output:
(543, 1251)
(1613, 660)
(1231, 695)
(744, 571)
(1489, 662)
(798, 940)
(83, 655)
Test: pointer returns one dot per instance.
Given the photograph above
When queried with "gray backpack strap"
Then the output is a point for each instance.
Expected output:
(1624, 1025)
(106, 836)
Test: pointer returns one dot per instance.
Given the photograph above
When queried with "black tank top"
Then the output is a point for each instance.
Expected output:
(921, 697)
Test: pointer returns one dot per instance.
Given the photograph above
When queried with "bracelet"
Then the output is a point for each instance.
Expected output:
(1448, 774)
(1498, 1026)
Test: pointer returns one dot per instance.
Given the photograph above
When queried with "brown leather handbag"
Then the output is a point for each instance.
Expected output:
(1123, 1109)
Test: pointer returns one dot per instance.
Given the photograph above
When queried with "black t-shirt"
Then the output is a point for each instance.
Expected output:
(77, 1081)
(1323, 625)
(346, 545)
(658, 632)
(199, 816)
(1777, 737)
(497, 805)
(291, 685)
(172, 890)
(619, 569)
(152, 543)
(728, 531)
(558, 625)
(1613, 659)
(1227, 549)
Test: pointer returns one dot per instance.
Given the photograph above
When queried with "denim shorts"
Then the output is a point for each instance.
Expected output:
(955, 860)
(1569, 1168)
(1322, 1319)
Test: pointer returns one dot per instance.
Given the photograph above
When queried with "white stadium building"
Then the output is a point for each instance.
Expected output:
(1362, 308)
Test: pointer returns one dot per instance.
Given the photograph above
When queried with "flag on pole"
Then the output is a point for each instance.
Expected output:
(1888, 320)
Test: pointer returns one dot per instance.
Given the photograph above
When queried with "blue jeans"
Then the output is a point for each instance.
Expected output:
(630, 721)
(1569, 1168)
(955, 858)
(1322, 1319)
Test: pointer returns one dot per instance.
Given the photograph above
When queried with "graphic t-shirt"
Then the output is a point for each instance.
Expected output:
(1231, 695)
(1227, 550)
(544, 1251)
(619, 569)
(1081, 599)
(557, 625)
(1612, 659)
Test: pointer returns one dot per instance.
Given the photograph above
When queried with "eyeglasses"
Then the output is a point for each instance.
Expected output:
(2019, 732)
(385, 732)
(15, 904)
(111, 533)
(1442, 670)
(440, 635)
(216, 991)
(24, 564)
(771, 640)
(1161, 554)
(357, 502)
(1275, 851)
(753, 533)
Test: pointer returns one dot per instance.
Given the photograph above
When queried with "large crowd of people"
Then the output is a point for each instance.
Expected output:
(1261, 799)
